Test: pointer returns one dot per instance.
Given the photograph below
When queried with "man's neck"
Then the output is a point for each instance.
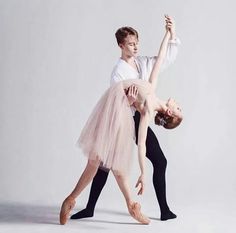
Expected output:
(128, 59)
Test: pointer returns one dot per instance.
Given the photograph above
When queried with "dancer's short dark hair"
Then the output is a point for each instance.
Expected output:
(123, 32)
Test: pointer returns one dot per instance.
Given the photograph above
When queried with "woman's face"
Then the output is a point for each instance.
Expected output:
(173, 108)
(130, 46)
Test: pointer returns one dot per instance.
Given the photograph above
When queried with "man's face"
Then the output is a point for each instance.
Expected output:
(130, 46)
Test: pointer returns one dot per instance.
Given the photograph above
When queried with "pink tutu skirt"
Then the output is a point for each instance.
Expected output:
(108, 135)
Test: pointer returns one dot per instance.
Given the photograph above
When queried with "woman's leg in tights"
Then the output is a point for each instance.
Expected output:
(86, 177)
(133, 207)
(98, 183)
(159, 162)
(123, 184)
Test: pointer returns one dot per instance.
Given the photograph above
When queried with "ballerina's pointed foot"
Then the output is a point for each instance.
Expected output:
(67, 205)
(135, 212)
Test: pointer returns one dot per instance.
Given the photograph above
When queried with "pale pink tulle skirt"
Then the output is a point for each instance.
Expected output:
(108, 135)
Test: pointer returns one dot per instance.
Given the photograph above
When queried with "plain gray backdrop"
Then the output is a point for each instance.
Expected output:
(55, 62)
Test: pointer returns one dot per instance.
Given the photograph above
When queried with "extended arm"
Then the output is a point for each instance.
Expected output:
(168, 50)
(173, 44)
(142, 136)
(160, 58)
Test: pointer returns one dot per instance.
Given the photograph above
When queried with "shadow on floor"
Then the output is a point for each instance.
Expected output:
(40, 214)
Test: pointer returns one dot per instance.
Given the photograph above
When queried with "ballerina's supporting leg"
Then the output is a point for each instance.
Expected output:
(86, 177)
(134, 208)
(98, 183)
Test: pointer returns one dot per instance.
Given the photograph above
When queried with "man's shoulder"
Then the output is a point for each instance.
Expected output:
(117, 64)
(118, 67)
(116, 74)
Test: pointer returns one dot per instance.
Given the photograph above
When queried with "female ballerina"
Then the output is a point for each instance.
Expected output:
(107, 138)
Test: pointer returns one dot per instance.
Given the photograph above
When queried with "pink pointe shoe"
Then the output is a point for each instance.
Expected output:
(67, 205)
(135, 212)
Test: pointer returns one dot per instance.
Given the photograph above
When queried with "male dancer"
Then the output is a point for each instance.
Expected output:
(131, 66)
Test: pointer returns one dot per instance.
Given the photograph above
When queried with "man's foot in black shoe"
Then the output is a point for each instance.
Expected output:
(168, 215)
(82, 214)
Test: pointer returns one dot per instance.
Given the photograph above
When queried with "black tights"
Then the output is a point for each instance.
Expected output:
(159, 162)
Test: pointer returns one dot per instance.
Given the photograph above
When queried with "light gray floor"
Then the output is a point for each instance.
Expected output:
(191, 219)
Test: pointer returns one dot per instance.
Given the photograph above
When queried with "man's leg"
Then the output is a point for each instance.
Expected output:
(159, 162)
(97, 185)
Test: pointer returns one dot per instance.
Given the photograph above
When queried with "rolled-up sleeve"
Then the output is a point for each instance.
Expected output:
(171, 53)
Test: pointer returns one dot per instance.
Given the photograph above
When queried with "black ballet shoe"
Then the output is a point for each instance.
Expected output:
(168, 215)
(85, 213)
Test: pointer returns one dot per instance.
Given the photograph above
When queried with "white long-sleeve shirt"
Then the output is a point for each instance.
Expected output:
(123, 70)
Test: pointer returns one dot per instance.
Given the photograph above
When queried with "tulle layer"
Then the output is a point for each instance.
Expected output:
(109, 133)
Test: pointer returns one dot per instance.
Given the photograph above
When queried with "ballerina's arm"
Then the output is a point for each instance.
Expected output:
(160, 57)
(142, 136)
